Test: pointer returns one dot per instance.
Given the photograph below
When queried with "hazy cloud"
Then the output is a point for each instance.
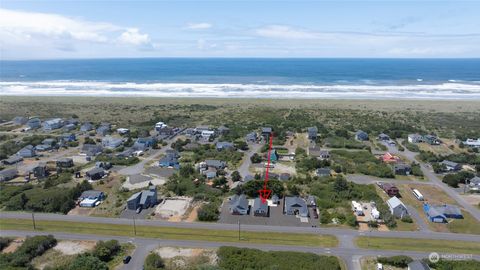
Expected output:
(198, 26)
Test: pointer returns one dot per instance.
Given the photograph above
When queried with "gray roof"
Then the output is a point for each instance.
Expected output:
(449, 163)
(402, 166)
(296, 202)
(258, 205)
(91, 194)
(95, 171)
(394, 202)
(240, 202)
(224, 145)
(91, 148)
(447, 209)
(418, 265)
(266, 130)
(475, 180)
(434, 212)
(13, 159)
(312, 131)
(8, 173)
(323, 171)
(383, 135)
(248, 177)
(215, 163)
(134, 196)
(65, 159)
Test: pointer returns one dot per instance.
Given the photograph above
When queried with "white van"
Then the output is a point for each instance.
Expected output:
(379, 266)
(417, 194)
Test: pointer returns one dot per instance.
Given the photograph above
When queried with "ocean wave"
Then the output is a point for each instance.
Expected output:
(450, 90)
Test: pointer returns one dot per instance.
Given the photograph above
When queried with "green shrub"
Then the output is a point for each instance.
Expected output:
(407, 219)
(234, 258)
(208, 212)
(87, 262)
(154, 261)
(105, 251)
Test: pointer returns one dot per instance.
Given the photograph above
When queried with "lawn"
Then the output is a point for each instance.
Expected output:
(422, 245)
(294, 239)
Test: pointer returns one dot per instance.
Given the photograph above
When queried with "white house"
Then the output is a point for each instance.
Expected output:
(415, 138)
(160, 125)
(472, 143)
(397, 208)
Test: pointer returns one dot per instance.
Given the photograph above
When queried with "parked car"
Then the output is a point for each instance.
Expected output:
(127, 259)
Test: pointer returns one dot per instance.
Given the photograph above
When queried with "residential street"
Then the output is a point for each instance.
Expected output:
(252, 149)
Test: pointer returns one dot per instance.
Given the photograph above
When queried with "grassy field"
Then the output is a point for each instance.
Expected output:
(173, 233)
(422, 245)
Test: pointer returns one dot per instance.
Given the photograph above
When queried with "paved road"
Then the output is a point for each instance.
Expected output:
(253, 148)
(223, 226)
(350, 255)
(422, 225)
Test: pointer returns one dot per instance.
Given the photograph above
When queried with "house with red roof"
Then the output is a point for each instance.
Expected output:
(389, 158)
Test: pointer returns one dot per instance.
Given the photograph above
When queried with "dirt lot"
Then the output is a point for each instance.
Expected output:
(473, 199)
(16, 243)
(80, 211)
(186, 258)
(74, 247)
(173, 209)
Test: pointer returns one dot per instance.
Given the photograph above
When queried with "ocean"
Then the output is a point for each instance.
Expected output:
(245, 78)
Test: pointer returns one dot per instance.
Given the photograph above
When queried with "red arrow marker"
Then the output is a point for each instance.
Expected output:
(265, 193)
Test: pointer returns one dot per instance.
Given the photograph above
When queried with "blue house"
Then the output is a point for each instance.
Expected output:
(434, 215)
(440, 213)
(87, 126)
(103, 129)
(170, 160)
(34, 123)
(361, 135)
(68, 137)
(52, 124)
(224, 145)
(27, 151)
(144, 143)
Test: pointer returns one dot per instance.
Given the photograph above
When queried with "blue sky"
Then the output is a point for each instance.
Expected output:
(103, 29)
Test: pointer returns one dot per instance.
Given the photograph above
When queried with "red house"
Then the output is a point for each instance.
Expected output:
(389, 158)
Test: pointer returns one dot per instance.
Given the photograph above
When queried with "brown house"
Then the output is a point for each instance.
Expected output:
(390, 189)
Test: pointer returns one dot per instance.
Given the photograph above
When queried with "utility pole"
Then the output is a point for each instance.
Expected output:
(33, 220)
(239, 230)
(134, 226)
